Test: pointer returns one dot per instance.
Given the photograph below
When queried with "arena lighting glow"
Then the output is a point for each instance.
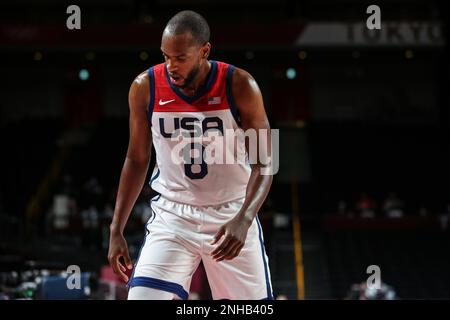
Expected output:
(302, 55)
(291, 73)
(90, 56)
(409, 54)
(147, 18)
(83, 74)
(37, 56)
(143, 55)
(300, 124)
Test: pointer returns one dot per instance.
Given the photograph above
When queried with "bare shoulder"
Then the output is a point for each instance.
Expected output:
(139, 90)
(141, 79)
(243, 84)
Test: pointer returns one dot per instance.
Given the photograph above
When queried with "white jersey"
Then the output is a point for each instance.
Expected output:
(195, 181)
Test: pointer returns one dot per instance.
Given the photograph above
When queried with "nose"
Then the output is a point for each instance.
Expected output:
(172, 66)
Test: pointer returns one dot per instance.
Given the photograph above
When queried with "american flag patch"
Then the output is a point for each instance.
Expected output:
(214, 100)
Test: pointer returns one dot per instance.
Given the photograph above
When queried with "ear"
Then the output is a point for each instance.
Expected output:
(206, 50)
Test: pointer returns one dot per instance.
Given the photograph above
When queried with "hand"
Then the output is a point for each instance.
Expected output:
(235, 233)
(118, 248)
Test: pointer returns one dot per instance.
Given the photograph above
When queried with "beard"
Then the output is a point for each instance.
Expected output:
(191, 76)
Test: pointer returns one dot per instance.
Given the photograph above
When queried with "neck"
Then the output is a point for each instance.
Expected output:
(199, 80)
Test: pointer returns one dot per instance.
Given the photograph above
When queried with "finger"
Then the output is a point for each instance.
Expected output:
(224, 243)
(113, 265)
(228, 251)
(119, 272)
(236, 252)
(218, 235)
(125, 278)
(128, 263)
(221, 247)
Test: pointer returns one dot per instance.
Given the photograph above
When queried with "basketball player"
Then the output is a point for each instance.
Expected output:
(204, 212)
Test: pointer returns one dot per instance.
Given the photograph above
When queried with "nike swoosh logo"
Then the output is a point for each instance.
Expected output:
(161, 103)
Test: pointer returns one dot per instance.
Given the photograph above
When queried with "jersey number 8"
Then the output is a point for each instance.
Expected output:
(193, 163)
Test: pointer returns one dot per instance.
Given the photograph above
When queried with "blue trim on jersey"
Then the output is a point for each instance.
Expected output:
(263, 252)
(156, 198)
(137, 260)
(161, 285)
(154, 177)
(151, 77)
(233, 108)
(203, 89)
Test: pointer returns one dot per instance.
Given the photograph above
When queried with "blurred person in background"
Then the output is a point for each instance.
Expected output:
(393, 206)
(361, 291)
(365, 206)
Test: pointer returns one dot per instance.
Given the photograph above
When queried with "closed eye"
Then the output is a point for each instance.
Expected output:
(181, 58)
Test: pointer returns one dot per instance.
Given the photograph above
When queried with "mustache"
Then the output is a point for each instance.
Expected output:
(191, 76)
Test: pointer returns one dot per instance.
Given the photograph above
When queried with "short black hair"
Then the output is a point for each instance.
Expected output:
(189, 21)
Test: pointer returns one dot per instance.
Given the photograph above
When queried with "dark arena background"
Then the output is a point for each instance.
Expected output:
(362, 196)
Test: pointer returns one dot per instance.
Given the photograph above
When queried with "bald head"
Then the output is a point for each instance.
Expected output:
(188, 22)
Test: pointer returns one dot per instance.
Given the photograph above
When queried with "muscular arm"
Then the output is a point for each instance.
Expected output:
(133, 173)
(249, 102)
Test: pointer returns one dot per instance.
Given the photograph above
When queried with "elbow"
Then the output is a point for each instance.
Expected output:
(269, 180)
(264, 172)
(138, 161)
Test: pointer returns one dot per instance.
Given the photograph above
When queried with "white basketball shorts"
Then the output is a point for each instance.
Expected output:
(178, 237)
